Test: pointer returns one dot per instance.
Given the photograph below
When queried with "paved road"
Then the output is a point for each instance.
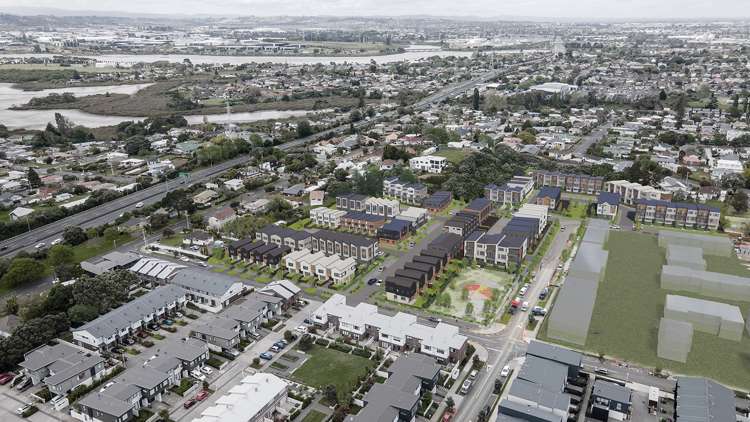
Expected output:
(595, 136)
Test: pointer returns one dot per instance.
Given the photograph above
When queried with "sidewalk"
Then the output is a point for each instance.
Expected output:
(453, 391)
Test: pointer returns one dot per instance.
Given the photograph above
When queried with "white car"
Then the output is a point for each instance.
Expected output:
(23, 408)
(40, 245)
(139, 205)
(523, 290)
(56, 241)
(197, 375)
(207, 370)
(301, 329)
(525, 306)
(185, 259)
(505, 371)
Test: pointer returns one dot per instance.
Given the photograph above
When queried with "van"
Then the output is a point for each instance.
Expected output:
(473, 374)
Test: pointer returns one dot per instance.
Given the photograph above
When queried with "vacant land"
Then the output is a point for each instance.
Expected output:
(630, 303)
(475, 286)
(328, 366)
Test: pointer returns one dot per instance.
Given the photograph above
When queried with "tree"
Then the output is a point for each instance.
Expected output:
(450, 403)
(739, 201)
(662, 95)
(331, 394)
(305, 343)
(288, 336)
(110, 235)
(158, 221)
(74, 235)
(61, 258)
(34, 180)
(22, 271)
(469, 309)
(680, 110)
(81, 314)
(304, 129)
(11, 305)
(475, 99)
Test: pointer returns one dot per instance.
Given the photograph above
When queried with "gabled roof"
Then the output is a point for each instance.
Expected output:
(195, 279)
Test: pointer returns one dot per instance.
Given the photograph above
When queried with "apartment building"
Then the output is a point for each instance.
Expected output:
(394, 231)
(575, 183)
(631, 192)
(62, 367)
(462, 223)
(220, 333)
(549, 196)
(499, 249)
(387, 208)
(607, 204)
(110, 329)
(539, 212)
(438, 201)
(428, 163)
(208, 290)
(678, 214)
(327, 217)
(361, 222)
(400, 332)
(481, 207)
(363, 249)
(512, 193)
(410, 193)
(284, 236)
(351, 202)
(257, 398)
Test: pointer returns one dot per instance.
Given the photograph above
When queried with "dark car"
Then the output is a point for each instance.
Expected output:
(153, 326)
(189, 403)
(372, 281)
(266, 355)
(129, 341)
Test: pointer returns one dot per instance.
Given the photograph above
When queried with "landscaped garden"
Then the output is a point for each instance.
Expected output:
(328, 366)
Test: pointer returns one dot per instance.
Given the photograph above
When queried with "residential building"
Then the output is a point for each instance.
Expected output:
(575, 183)
(220, 333)
(549, 196)
(512, 193)
(363, 249)
(154, 270)
(258, 206)
(462, 223)
(630, 192)
(284, 289)
(610, 401)
(387, 208)
(203, 199)
(678, 214)
(260, 397)
(325, 268)
(410, 193)
(481, 207)
(400, 332)
(499, 249)
(538, 212)
(234, 184)
(438, 201)
(111, 261)
(107, 330)
(607, 204)
(351, 202)
(428, 163)
(394, 231)
(208, 290)
(249, 313)
(417, 216)
(221, 218)
(703, 400)
(62, 367)
(327, 217)
(360, 222)
(283, 236)
(402, 290)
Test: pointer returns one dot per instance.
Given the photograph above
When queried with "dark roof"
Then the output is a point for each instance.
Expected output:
(396, 225)
(273, 229)
(264, 249)
(411, 274)
(475, 235)
(278, 251)
(448, 242)
(419, 266)
(608, 198)
(361, 216)
(685, 205)
(554, 353)
(513, 241)
(610, 390)
(479, 204)
(238, 243)
(703, 400)
(429, 260)
(437, 199)
(549, 192)
(343, 237)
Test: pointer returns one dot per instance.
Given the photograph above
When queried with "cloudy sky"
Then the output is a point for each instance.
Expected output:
(586, 9)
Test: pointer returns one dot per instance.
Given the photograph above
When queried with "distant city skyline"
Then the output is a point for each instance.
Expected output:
(538, 9)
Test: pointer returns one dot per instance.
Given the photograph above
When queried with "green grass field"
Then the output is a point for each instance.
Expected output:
(455, 156)
(98, 246)
(328, 366)
(630, 303)
(314, 416)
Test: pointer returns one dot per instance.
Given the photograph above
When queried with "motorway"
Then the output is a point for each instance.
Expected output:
(109, 211)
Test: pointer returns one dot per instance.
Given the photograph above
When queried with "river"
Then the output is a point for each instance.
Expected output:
(38, 119)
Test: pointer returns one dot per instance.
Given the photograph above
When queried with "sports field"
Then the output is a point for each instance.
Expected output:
(630, 303)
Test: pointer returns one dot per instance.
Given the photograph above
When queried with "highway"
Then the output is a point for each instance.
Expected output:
(109, 211)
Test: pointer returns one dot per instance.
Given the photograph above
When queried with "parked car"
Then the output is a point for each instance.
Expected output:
(435, 319)
(255, 336)
(184, 259)
(6, 378)
(516, 302)
(275, 348)
(465, 387)
(544, 293)
(179, 315)
(505, 371)
(523, 290)
(207, 370)
(301, 329)
(307, 321)
(129, 341)
(204, 265)
(168, 322)
(189, 403)
(153, 326)
(525, 306)
(23, 409)
(538, 310)
(233, 352)
(24, 384)
(197, 375)
(266, 355)
(372, 281)
(202, 395)
(280, 344)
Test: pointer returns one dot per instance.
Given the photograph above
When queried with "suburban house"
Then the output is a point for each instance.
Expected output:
(549, 196)
(678, 214)
(203, 199)
(259, 397)
(410, 193)
(221, 218)
(62, 367)
(438, 201)
(249, 313)
(397, 399)
(208, 290)
(284, 289)
(400, 332)
(607, 204)
(363, 249)
(512, 193)
(428, 163)
(327, 217)
(575, 183)
(107, 330)
(417, 216)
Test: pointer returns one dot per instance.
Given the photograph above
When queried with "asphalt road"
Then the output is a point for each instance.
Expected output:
(592, 138)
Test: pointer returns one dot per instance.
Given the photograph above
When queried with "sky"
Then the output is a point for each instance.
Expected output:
(567, 9)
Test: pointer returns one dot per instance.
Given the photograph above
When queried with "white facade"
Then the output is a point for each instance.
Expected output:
(327, 217)
(631, 192)
(388, 208)
(428, 163)
(254, 399)
(534, 211)
(323, 267)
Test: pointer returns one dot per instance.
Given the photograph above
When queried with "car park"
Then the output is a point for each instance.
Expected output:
(189, 403)
(266, 355)
(505, 371)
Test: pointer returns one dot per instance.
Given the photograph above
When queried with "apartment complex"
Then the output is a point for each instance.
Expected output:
(327, 217)
(499, 249)
(438, 201)
(62, 367)
(678, 214)
(318, 265)
(512, 193)
(363, 249)
(410, 193)
(631, 192)
(428, 163)
(257, 398)
(400, 332)
(362, 222)
(575, 183)
(283, 236)
(351, 202)
(387, 208)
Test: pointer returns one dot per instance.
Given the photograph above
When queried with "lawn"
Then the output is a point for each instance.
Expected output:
(175, 241)
(479, 284)
(98, 246)
(630, 303)
(314, 416)
(328, 366)
(455, 156)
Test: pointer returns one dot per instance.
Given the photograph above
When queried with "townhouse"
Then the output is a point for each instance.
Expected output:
(481, 207)
(549, 196)
(678, 214)
(575, 183)
(387, 208)
(208, 290)
(428, 163)
(284, 289)
(249, 313)
(109, 329)
(363, 249)
(62, 367)
(438, 201)
(410, 193)
(327, 217)
(631, 192)
(607, 204)
(257, 398)
(361, 222)
(400, 332)
(351, 202)
(462, 223)
(242, 249)
(322, 266)
(283, 236)
(499, 249)
(220, 333)
(539, 212)
(512, 193)
(394, 231)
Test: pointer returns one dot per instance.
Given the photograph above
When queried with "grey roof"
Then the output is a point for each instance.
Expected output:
(142, 377)
(106, 404)
(678, 255)
(344, 238)
(612, 391)
(63, 361)
(215, 284)
(246, 311)
(548, 374)
(124, 316)
(536, 393)
(704, 307)
(590, 261)
(109, 261)
(703, 400)
(555, 353)
(511, 411)
(220, 327)
(186, 350)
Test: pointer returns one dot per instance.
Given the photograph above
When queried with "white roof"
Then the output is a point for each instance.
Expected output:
(246, 400)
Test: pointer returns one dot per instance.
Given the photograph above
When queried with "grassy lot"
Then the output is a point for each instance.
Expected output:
(479, 284)
(455, 156)
(175, 241)
(314, 416)
(630, 303)
(328, 366)
(300, 224)
(576, 209)
(98, 246)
